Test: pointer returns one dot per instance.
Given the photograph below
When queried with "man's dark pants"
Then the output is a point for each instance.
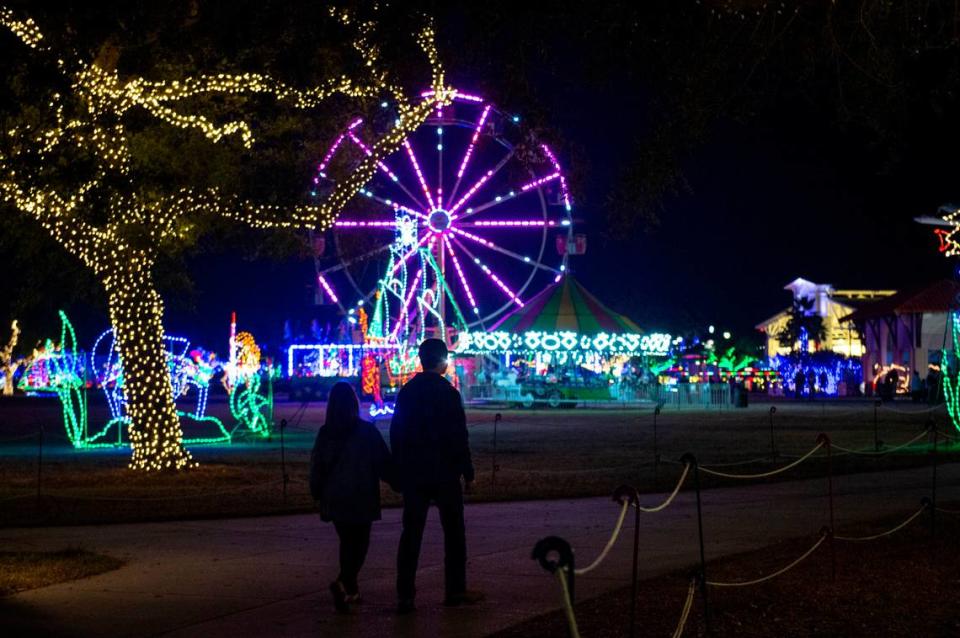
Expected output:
(416, 503)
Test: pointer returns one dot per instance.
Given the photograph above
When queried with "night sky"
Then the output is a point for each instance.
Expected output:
(804, 172)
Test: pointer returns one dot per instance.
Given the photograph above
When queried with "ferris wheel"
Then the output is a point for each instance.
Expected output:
(469, 218)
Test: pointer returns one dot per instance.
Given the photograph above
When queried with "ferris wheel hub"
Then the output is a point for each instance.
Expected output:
(439, 220)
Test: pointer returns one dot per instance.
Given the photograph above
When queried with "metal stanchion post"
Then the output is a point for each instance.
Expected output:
(493, 481)
(876, 429)
(40, 463)
(690, 459)
(773, 441)
(824, 438)
(656, 449)
(554, 545)
(283, 459)
(632, 495)
(933, 486)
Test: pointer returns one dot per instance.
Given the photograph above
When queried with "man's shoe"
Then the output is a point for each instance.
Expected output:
(464, 598)
(405, 606)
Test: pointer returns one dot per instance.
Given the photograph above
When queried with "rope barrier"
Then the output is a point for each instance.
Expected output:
(673, 494)
(606, 550)
(748, 462)
(687, 606)
(762, 579)
(882, 534)
(567, 605)
(632, 466)
(764, 474)
(882, 452)
(946, 511)
(922, 411)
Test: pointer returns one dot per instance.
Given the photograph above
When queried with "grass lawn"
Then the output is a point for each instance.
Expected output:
(538, 454)
(905, 584)
(20, 571)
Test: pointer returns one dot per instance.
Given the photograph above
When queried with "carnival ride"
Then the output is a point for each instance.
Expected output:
(470, 217)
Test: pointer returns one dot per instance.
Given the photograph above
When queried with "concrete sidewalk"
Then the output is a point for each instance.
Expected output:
(268, 576)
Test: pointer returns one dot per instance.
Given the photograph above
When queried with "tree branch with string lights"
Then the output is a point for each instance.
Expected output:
(67, 164)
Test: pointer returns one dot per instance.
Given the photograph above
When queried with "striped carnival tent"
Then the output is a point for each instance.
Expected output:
(566, 306)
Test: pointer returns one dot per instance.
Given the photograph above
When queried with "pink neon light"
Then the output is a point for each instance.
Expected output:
(473, 141)
(479, 240)
(457, 96)
(463, 279)
(368, 152)
(328, 288)
(502, 285)
(512, 223)
(540, 181)
(469, 193)
(406, 304)
(563, 181)
(413, 251)
(363, 224)
(336, 144)
(416, 168)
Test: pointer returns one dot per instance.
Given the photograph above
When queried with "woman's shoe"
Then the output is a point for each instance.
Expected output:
(355, 599)
(339, 597)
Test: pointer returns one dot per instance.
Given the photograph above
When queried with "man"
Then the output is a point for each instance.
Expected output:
(428, 439)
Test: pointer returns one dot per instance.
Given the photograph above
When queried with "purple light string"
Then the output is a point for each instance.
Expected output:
(368, 152)
(463, 279)
(334, 147)
(493, 277)
(469, 193)
(413, 251)
(539, 182)
(346, 223)
(473, 141)
(416, 169)
(327, 288)
(538, 223)
(563, 181)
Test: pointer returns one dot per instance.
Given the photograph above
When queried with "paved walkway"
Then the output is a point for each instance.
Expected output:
(267, 576)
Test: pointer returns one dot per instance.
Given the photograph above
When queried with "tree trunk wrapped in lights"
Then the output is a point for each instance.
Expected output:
(7, 360)
(116, 226)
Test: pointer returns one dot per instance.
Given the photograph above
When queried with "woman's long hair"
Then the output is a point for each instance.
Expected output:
(343, 409)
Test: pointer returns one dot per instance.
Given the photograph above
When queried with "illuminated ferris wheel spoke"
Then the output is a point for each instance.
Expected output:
(463, 278)
(469, 152)
(394, 206)
(351, 223)
(413, 251)
(416, 169)
(540, 181)
(489, 273)
(483, 180)
(386, 169)
(510, 223)
(486, 243)
(349, 262)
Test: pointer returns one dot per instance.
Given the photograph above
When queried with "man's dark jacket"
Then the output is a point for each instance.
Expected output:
(346, 468)
(428, 434)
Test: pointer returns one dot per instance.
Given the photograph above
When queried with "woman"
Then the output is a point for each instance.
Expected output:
(348, 461)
